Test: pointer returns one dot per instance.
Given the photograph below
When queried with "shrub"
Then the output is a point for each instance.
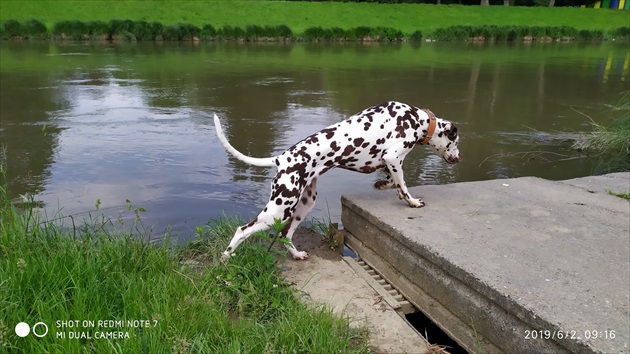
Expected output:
(171, 33)
(233, 33)
(254, 31)
(338, 34)
(208, 32)
(284, 31)
(597, 35)
(13, 28)
(115, 27)
(453, 33)
(587, 35)
(181, 32)
(387, 33)
(515, 33)
(97, 28)
(34, 28)
(536, 31)
(141, 30)
(70, 29)
(157, 29)
(314, 34)
(620, 33)
(361, 32)
(569, 32)
(416, 36)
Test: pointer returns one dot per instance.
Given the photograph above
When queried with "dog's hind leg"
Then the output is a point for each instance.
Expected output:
(263, 221)
(304, 206)
(243, 232)
(386, 183)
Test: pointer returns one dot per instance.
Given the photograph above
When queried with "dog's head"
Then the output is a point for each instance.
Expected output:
(445, 141)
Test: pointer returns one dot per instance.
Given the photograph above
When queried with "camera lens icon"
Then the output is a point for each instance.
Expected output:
(22, 329)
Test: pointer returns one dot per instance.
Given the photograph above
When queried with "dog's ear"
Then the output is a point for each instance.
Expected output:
(451, 133)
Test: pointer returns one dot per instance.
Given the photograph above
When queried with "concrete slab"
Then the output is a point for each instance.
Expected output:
(523, 264)
(613, 182)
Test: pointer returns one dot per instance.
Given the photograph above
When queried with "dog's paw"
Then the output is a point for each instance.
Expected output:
(225, 256)
(300, 255)
(415, 203)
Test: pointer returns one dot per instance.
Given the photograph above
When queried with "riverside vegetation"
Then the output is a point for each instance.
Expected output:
(190, 301)
(610, 142)
(302, 21)
(155, 31)
(301, 15)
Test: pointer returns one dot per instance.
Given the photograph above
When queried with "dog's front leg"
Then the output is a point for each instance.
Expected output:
(394, 164)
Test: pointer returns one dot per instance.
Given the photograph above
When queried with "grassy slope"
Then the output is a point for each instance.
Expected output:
(190, 299)
(301, 15)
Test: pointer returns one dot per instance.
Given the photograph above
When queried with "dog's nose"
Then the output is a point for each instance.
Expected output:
(453, 159)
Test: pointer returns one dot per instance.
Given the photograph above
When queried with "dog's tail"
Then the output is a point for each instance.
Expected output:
(263, 162)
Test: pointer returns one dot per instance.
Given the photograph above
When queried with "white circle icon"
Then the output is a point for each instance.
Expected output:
(22, 329)
(43, 333)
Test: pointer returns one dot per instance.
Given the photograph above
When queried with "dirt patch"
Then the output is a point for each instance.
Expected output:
(325, 278)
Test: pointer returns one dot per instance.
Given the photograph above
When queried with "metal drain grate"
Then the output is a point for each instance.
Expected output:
(390, 294)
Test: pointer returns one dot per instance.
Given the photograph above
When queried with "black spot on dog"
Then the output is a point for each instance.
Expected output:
(348, 150)
(329, 132)
(250, 224)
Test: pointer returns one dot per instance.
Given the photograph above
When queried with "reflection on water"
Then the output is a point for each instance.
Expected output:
(82, 122)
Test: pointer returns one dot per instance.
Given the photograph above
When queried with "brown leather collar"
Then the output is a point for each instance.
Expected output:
(431, 129)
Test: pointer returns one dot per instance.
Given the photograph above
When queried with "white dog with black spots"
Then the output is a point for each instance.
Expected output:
(377, 138)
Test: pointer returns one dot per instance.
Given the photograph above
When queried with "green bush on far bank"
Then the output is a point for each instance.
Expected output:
(155, 31)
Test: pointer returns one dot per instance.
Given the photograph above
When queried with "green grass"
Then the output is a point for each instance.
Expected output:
(189, 300)
(610, 142)
(620, 195)
(299, 16)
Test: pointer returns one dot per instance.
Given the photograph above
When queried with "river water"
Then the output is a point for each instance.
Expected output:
(116, 121)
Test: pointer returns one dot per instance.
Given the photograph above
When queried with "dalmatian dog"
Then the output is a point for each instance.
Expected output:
(376, 139)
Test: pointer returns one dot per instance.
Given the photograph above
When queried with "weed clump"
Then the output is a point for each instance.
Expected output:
(611, 142)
